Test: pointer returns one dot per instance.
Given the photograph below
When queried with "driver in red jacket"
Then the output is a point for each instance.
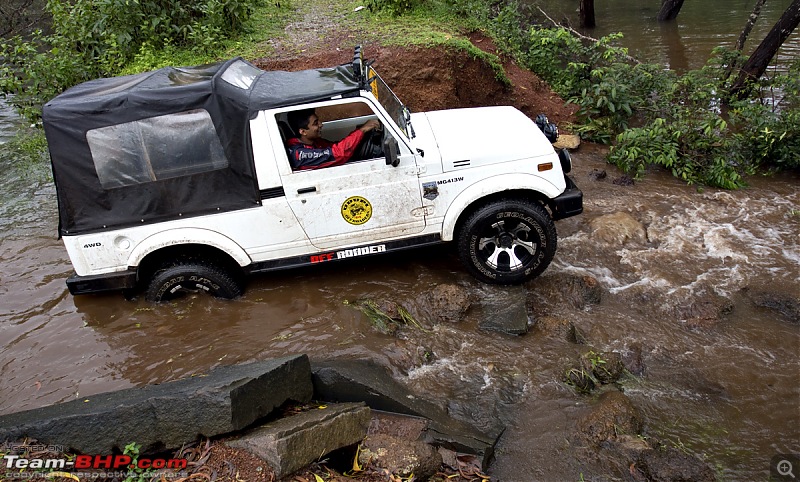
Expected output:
(311, 151)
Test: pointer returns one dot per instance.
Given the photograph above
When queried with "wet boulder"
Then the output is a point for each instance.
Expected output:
(618, 228)
(582, 291)
(581, 380)
(594, 370)
(559, 328)
(447, 302)
(557, 289)
(598, 174)
(503, 309)
(392, 309)
(668, 464)
(623, 180)
(633, 359)
(613, 414)
(783, 304)
(705, 311)
(629, 447)
(406, 355)
(606, 367)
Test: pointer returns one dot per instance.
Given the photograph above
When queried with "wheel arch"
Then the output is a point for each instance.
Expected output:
(505, 186)
(186, 244)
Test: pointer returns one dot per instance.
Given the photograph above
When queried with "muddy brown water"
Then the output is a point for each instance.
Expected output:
(726, 392)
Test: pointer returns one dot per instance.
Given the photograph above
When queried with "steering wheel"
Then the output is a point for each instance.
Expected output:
(371, 146)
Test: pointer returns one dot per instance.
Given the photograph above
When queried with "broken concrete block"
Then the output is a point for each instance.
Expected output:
(363, 380)
(167, 415)
(291, 443)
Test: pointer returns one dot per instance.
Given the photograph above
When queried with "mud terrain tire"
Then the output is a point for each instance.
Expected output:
(184, 277)
(507, 241)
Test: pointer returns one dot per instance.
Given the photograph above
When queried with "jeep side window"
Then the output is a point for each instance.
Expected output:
(156, 148)
(333, 145)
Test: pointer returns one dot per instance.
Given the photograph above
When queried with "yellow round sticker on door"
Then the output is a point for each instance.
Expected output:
(356, 210)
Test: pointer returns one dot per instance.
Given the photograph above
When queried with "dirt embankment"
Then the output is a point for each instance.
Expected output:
(445, 78)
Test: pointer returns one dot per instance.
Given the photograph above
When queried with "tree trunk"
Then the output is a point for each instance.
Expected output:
(755, 66)
(669, 10)
(587, 14)
(750, 22)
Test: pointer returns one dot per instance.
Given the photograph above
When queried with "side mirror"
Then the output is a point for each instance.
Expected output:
(391, 151)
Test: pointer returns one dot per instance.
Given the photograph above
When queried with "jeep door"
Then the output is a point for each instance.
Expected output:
(358, 202)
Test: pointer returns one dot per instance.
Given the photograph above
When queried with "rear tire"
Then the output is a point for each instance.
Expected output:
(185, 277)
(507, 241)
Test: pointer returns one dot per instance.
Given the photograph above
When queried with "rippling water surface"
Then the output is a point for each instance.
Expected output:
(686, 43)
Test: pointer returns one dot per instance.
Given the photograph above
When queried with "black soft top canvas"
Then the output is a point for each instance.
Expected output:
(85, 206)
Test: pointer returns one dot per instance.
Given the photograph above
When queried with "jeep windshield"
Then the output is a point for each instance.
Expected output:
(397, 111)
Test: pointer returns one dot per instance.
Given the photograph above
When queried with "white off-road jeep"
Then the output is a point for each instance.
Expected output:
(178, 180)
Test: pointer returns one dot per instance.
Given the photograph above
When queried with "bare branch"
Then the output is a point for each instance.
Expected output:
(751, 21)
(582, 36)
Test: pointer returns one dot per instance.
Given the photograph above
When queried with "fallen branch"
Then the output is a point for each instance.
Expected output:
(582, 36)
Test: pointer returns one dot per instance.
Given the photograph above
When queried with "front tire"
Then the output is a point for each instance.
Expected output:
(185, 277)
(507, 241)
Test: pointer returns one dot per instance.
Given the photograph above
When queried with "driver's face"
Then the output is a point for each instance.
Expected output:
(314, 127)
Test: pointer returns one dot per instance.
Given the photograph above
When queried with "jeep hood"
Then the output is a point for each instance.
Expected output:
(479, 136)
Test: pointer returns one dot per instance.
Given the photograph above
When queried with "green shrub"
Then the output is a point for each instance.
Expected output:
(770, 139)
(679, 122)
(615, 96)
(547, 47)
(769, 132)
(39, 69)
(97, 38)
(394, 7)
(696, 150)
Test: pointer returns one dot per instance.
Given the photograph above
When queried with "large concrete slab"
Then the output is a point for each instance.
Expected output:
(226, 399)
(363, 380)
(291, 443)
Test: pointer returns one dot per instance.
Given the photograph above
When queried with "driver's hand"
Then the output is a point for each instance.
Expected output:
(370, 125)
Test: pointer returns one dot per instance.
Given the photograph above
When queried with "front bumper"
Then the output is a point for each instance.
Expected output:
(79, 285)
(568, 203)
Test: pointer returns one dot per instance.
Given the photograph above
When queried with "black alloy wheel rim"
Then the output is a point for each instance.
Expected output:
(508, 245)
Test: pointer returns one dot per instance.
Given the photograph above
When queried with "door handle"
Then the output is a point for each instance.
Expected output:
(304, 190)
